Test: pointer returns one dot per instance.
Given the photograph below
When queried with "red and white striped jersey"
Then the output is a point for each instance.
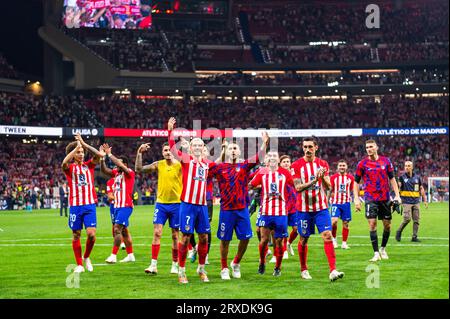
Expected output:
(274, 192)
(314, 198)
(195, 175)
(80, 179)
(341, 186)
(123, 188)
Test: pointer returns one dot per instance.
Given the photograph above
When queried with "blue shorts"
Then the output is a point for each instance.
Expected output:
(307, 221)
(83, 214)
(292, 219)
(278, 223)
(258, 218)
(194, 216)
(123, 215)
(112, 212)
(167, 211)
(237, 220)
(342, 211)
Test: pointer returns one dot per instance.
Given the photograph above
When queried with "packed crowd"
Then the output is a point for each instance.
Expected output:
(62, 111)
(294, 23)
(113, 111)
(400, 52)
(344, 78)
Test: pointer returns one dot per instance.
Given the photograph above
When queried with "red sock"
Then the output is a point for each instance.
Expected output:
(237, 259)
(182, 253)
(303, 255)
(129, 249)
(345, 233)
(202, 252)
(190, 246)
(331, 256)
(175, 255)
(334, 230)
(224, 263)
(76, 246)
(89, 245)
(279, 256)
(115, 250)
(292, 236)
(155, 251)
(262, 253)
(284, 244)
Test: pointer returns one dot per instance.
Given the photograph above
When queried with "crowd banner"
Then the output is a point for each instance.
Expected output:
(209, 133)
(122, 132)
(92, 132)
(30, 130)
(242, 133)
(406, 131)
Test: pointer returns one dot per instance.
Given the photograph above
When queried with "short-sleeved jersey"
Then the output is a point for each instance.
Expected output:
(195, 175)
(274, 191)
(233, 183)
(80, 179)
(312, 199)
(170, 182)
(341, 187)
(375, 175)
(410, 188)
(110, 187)
(123, 188)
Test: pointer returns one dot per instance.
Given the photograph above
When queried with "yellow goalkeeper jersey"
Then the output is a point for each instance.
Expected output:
(170, 182)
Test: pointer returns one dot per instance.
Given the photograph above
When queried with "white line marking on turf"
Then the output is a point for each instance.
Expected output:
(1, 229)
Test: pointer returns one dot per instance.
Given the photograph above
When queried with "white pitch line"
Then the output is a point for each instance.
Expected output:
(1, 229)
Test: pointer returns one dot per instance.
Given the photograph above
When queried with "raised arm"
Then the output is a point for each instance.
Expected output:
(223, 152)
(179, 155)
(103, 168)
(69, 157)
(114, 159)
(97, 154)
(138, 164)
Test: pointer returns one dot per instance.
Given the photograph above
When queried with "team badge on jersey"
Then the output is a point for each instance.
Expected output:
(238, 169)
(187, 228)
(82, 180)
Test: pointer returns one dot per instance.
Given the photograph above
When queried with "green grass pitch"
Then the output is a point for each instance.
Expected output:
(35, 249)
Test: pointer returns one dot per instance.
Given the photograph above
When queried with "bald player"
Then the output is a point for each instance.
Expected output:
(411, 189)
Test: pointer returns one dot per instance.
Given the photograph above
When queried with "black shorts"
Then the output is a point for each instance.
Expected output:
(381, 209)
(209, 203)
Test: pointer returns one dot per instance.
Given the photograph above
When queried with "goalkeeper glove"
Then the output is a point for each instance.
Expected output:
(397, 207)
